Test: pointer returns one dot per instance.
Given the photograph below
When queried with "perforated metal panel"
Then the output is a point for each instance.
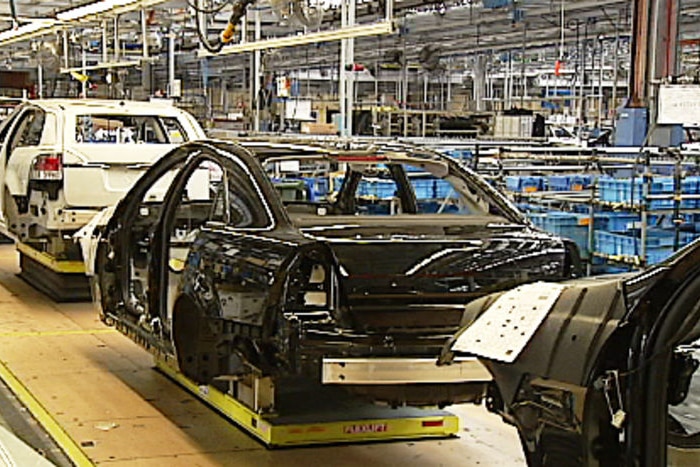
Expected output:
(502, 332)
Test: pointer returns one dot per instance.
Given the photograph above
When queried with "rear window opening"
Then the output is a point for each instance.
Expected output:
(319, 187)
(126, 129)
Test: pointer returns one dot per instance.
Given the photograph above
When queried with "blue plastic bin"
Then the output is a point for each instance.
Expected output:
(524, 184)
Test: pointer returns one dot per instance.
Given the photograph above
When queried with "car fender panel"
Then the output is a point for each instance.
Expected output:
(567, 343)
(504, 329)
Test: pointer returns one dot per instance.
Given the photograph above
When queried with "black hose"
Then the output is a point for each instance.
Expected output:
(204, 40)
(13, 12)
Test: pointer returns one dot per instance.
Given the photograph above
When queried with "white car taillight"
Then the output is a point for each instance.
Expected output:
(47, 167)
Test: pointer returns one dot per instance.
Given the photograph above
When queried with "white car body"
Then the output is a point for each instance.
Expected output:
(104, 147)
(563, 136)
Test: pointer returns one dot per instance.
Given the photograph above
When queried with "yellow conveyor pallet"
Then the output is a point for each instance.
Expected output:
(61, 280)
(350, 422)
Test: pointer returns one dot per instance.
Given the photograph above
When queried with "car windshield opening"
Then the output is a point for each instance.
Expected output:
(124, 129)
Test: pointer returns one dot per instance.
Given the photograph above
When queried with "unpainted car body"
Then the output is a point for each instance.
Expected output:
(63, 160)
(239, 275)
(607, 377)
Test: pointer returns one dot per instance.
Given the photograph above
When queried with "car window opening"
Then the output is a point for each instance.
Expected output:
(125, 129)
(373, 188)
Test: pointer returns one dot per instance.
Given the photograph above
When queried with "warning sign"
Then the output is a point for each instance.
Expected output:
(679, 105)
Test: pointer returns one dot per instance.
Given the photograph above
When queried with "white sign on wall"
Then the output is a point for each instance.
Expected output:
(679, 105)
(298, 109)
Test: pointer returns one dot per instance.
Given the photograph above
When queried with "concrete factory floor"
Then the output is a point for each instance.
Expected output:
(109, 402)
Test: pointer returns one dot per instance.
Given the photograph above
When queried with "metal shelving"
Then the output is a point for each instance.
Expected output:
(641, 248)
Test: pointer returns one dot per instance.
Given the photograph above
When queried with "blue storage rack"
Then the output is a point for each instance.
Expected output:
(525, 184)
(659, 243)
(573, 226)
(616, 221)
(621, 190)
(568, 182)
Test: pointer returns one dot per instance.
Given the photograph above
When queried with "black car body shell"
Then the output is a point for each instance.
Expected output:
(392, 286)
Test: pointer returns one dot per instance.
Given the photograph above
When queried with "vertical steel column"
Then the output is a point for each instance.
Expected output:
(40, 79)
(481, 86)
(171, 62)
(663, 52)
(404, 85)
(66, 63)
(640, 48)
(600, 85)
(104, 42)
(616, 62)
(84, 70)
(144, 32)
(523, 81)
(350, 59)
(342, 76)
(256, 72)
(117, 46)
(449, 79)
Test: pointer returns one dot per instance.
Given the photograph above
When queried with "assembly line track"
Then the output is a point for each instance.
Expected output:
(99, 396)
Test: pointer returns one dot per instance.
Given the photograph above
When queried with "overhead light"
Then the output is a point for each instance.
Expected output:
(91, 9)
(24, 30)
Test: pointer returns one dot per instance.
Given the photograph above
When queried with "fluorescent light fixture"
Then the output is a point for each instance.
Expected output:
(375, 29)
(92, 9)
(24, 30)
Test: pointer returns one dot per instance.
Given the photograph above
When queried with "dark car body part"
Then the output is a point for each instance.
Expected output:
(593, 385)
(277, 299)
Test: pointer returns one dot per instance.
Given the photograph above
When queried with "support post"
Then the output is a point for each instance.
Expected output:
(654, 57)
(171, 63)
(117, 46)
(257, 62)
(144, 33)
(84, 71)
(40, 79)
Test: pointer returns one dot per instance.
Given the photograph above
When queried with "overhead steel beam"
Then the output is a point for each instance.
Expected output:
(375, 29)
(43, 26)
(101, 66)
